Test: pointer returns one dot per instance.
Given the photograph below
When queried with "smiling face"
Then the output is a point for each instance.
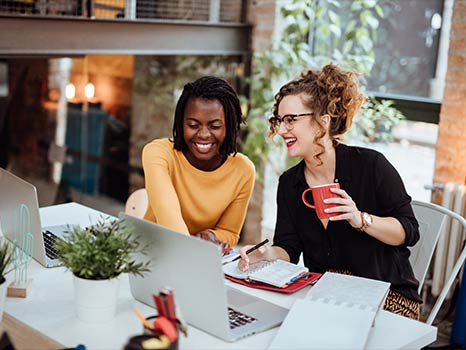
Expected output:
(204, 132)
(299, 138)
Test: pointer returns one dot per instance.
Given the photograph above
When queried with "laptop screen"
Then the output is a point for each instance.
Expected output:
(13, 221)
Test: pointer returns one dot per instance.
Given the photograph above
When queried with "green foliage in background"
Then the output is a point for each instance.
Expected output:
(316, 33)
(102, 251)
(7, 253)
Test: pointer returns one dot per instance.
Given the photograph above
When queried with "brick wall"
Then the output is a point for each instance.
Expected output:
(261, 13)
(231, 10)
(450, 162)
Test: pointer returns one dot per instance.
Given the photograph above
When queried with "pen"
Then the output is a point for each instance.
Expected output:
(250, 250)
(142, 318)
(301, 275)
(169, 302)
(160, 305)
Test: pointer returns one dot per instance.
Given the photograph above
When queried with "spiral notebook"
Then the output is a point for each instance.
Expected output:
(337, 313)
(278, 273)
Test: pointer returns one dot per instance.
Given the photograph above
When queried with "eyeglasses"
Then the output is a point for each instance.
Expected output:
(287, 119)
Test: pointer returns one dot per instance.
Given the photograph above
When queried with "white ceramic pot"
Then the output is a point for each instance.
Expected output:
(3, 289)
(95, 300)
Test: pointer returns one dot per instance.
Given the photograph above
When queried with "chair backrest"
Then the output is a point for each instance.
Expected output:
(431, 217)
(137, 202)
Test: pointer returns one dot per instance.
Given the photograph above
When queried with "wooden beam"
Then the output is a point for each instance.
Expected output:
(39, 36)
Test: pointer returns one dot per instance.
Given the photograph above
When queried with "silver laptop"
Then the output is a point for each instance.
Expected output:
(192, 268)
(14, 191)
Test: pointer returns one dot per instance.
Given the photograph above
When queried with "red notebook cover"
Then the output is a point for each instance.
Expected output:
(308, 279)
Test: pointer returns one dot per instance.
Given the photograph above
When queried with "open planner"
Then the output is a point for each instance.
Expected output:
(277, 273)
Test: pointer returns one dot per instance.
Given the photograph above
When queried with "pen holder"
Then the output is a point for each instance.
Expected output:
(148, 341)
(156, 333)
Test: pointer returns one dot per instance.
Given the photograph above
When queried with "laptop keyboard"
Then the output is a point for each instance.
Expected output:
(238, 319)
(49, 243)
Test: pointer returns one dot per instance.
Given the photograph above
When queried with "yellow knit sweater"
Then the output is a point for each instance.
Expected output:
(190, 200)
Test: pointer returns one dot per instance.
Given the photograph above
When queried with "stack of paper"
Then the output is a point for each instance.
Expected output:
(353, 291)
(337, 313)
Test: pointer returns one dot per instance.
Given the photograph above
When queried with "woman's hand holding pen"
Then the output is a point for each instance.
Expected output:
(257, 255)
(252, 254)
(256, 252)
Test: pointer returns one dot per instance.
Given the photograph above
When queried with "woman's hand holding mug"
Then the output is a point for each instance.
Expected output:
(321, 194)
(343, 207)
(333, 203)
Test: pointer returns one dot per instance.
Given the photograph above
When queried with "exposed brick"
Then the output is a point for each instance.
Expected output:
(452, 93)
(456, 60)
(450, 164)
(262, 15)
(457, 75)
(460, 7)
(458, 43)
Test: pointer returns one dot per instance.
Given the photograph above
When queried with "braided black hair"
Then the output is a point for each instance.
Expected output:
(210, 88)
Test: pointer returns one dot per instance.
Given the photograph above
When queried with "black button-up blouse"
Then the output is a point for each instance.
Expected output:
(376, 187)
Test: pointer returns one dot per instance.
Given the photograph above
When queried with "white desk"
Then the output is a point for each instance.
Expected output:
(50, 309)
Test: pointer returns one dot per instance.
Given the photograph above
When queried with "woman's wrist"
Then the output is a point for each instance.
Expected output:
(275, 252)
(366, 221)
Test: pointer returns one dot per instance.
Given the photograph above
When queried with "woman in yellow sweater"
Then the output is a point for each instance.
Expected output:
(197, 182)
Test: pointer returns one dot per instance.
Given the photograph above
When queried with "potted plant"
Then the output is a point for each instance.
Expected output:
(97, 256)
(7, 252)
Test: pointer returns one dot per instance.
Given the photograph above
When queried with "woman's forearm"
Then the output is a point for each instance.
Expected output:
(387, 230)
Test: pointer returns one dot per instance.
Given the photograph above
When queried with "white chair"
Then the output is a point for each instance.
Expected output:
(431, 218)
(137, 202)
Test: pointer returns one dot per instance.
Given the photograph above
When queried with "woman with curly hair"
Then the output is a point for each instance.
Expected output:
(372, 225)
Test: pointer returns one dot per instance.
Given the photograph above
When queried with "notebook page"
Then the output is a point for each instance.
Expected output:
(312, 324)
(351, 290)
(278, 273)
(231, 269)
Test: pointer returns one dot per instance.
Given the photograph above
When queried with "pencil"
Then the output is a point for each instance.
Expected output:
(250, 250)
(142, 318)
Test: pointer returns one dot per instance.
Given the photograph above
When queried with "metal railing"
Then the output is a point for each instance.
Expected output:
(229, 11)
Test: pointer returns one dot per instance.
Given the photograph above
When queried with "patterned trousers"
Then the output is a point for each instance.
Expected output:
(395, 302)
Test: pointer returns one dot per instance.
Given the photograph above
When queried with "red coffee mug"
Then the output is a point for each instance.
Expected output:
(319, 193)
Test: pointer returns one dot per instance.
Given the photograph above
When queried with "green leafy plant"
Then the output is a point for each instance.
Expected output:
(312, 34)
(102, 251)
(7, 253)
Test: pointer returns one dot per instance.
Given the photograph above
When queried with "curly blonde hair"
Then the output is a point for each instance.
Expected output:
(332, 91)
